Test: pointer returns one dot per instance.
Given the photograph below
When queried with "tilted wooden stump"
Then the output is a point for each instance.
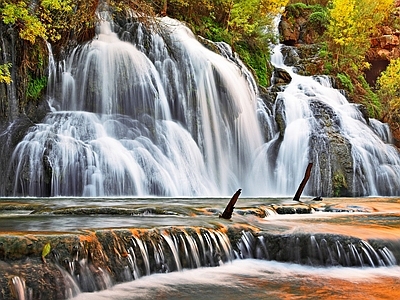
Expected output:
(227, 214)
(303, 182)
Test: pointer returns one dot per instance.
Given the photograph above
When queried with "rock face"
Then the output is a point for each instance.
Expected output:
(334, 150)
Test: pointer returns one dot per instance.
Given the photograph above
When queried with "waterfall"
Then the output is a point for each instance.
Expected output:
(322, 127)
(315, 250)
(141, 112)
(127, 125)
(93, 261)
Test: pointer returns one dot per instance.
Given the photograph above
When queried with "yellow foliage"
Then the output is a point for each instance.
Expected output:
(341, 21)
(248, 16)
(351, 24)
(275, 7)
(57, 5)
(5, 76)
(388, 82)
(19, 14)
(42, 21)
(389, 91)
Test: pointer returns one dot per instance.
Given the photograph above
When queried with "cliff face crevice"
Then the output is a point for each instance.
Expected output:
(8, 92)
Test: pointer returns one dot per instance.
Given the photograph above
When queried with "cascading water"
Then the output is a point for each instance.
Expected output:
(124, 125)
(140, 113)
(322, 127)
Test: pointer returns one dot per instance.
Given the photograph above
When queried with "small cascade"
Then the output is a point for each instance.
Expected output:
(319, 125)
(382, 130)
(96, 261)
(19, 289)
(149, 252)
(71, 286)
(315, 250)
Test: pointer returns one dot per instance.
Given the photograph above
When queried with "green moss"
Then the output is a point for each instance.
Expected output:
(339, 183)
(36, 87)
(371, 99)
(257, 61)
(345, 81)
(319, 19)
(295, 10)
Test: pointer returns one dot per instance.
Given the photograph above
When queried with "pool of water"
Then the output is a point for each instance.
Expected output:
(361, 217)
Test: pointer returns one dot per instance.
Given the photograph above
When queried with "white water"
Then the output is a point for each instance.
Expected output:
(112, 132)
(375, 162)
(142, 116)
(364, 236)
(255, 279)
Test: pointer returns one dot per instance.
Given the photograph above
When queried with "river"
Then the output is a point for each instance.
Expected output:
(373, 220)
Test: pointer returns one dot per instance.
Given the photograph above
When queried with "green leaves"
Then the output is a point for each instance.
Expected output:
(390, 78)
(389, 89)
(36, 87)
(46, 250)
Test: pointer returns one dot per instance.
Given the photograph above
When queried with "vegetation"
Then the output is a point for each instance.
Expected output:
(351, 25)
(339, 184)
(49, 19)
(243, 24)
(5, 76)
(38, 22)
(348, 26)
(389, 92)
(36, 87)
(344, 29)
(370, 99)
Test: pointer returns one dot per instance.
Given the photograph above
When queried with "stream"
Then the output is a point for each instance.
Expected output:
(247, 272)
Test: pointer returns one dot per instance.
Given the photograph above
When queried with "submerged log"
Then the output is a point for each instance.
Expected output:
(227, 214)
(303, 183)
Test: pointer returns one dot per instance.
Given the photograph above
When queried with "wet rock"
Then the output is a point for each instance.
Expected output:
(281, 77)
(292, 209)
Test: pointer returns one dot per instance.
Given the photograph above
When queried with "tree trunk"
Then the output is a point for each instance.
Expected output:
(227, 214)
(303, 182)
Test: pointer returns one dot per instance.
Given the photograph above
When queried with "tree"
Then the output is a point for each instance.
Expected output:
(351, 24)
(389, 90)
(29, 25)
(46, 19)
(251, 17)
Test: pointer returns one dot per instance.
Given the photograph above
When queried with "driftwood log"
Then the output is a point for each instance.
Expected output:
(303, 183)
(227, 214)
